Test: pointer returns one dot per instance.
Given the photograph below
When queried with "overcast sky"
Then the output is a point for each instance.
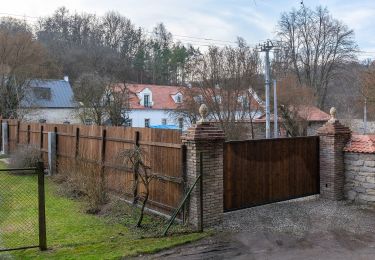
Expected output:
(224, 20)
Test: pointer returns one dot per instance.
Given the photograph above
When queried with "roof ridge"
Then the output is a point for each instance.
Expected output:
(51, 80)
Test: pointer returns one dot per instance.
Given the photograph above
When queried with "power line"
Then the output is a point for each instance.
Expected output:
(205, 39)
(176, 35)
(199, 41)
(19, 15)
(202, 40)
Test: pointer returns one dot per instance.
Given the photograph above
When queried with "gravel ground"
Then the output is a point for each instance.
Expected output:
(309, 228)
(298, 217)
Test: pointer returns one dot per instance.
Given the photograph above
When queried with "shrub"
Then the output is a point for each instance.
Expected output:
(83, 179)
(25, 156)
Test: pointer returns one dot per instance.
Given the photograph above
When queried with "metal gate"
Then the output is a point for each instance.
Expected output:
(22, 227)
(258, 172)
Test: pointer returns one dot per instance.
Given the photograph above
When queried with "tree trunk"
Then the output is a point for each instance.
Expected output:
(135, 186)
(139, 222)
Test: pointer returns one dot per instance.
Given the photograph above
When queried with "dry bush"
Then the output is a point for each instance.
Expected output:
(135, 159)
(25, 156)
(83, 179)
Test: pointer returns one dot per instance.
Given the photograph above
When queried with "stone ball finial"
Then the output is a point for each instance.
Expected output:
(333, 118)
(203, 111)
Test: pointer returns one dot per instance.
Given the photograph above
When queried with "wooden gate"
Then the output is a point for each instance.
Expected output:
(258, 172)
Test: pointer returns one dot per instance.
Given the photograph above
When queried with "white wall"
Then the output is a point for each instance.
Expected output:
(138, 117)
(52, 115)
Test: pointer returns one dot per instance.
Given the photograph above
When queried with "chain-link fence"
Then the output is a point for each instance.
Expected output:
(22, 220)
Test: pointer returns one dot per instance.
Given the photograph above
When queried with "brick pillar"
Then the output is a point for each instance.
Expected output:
(208, 139)
(333, 137)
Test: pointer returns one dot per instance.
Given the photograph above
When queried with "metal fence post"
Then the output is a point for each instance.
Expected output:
(42, 208)
(201, 191)
(5, 137)
(52, 153)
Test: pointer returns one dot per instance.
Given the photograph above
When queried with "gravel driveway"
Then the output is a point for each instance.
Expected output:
(311, 228)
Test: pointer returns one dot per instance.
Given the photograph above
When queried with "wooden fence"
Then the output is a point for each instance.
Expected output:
(165, 154)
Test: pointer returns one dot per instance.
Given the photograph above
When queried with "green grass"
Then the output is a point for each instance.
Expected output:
(2, 156)
(71, 233)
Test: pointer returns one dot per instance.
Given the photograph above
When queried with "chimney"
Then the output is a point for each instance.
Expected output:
(66, 78)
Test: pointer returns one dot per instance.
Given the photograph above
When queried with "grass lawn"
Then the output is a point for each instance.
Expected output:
(71, 233)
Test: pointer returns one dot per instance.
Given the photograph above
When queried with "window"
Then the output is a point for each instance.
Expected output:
(129, 122)
(245, 102)
(147, 122)
(146, 100)
(163, 121)
(88, 122)
(216, 99)
(198, 99)
(42, 93)
(179, 99)
(180, 123)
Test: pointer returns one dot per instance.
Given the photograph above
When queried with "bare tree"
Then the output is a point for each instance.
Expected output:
(295, 104)
(223, 77)
(90, 90)
(134, 158)
(21, 59)
(117, 104)
(367, 89)
(314, 46)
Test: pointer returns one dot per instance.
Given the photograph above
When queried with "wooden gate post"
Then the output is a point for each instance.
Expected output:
(5, 137)
(206, 139)
(333, 137)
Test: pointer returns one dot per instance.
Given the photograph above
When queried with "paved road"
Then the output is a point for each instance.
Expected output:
(312, 229)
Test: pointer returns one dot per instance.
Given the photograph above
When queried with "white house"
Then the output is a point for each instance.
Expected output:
(50, 101)
(151, 106)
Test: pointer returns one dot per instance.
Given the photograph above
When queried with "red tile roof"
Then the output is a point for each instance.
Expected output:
(161, 95)
(361, 144)
(313, 113)
(310, 113)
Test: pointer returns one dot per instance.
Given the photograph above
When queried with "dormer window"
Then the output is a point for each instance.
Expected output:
(177, 98)
(146, 100)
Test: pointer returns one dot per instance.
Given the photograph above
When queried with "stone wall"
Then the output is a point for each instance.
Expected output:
(360, 177)
(357, 125)
(260, 129)
(313, 127)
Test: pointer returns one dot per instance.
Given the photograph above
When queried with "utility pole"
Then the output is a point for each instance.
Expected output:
(275, 116)
(266, 47)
